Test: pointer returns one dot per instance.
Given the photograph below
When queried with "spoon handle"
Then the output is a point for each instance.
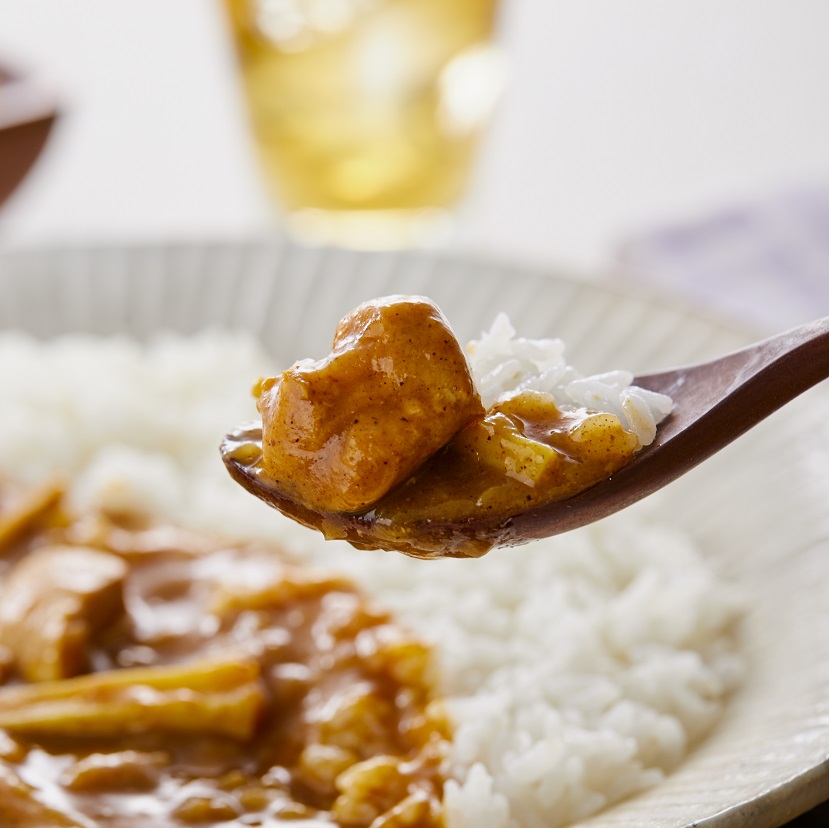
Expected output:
(724, 398)
(776, 369)
(714, 403)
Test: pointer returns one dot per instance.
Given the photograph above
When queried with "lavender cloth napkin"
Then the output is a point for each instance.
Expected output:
(763, 265)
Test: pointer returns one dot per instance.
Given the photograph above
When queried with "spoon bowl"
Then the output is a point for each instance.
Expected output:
(715, 402)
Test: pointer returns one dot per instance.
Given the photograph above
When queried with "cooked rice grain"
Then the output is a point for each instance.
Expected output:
(503, 363)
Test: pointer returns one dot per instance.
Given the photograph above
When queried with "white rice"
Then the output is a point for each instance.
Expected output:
(503, 363)
(577, 670)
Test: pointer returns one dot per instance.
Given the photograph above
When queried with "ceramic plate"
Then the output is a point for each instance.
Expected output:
(759, 510)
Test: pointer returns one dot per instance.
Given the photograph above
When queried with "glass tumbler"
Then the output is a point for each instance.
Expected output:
(367, 113)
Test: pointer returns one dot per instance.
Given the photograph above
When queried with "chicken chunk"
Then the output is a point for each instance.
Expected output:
(19, 514)
(341, 432)
(52, 603)
(121, 770)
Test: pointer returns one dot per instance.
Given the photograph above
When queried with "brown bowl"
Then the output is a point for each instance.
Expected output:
(28, 109)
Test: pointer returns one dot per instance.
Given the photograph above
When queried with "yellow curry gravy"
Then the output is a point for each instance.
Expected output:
(150, 676)
(453, 462)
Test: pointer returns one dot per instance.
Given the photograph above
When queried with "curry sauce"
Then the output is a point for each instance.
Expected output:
(152, 676)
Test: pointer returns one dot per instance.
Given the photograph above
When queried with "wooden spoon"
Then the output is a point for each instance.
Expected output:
(714, 403)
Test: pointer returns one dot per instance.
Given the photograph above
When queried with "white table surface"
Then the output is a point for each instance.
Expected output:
(620, 116)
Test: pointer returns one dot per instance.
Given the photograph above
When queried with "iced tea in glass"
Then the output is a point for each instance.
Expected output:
(367, 109)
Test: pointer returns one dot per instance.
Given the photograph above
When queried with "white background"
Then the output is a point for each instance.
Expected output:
(621, 115)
